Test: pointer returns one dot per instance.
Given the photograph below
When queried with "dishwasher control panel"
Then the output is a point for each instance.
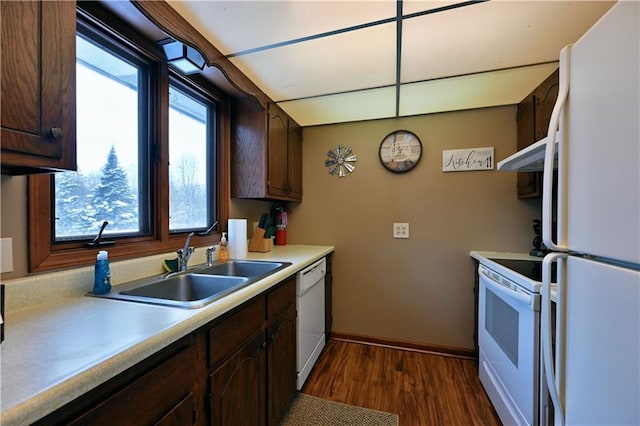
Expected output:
(311, 275)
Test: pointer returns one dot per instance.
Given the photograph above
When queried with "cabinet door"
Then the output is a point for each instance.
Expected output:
(546, 95)
(529, 183)
(277, 175)
(165, 395)
(237, 387)
(295, 160)
(281, 364)
(38, 86)
(534, 114)
(328, 298)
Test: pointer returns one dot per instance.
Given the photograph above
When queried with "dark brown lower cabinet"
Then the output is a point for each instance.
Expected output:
(254, 377)
(237, 395)
(239, 369)
(328, 298)
(281, 355)
(159, 391)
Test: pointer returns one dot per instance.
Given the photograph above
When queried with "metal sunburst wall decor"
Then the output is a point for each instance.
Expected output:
(340, 161)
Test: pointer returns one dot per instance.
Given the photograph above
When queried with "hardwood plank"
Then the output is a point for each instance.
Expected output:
(423, 389)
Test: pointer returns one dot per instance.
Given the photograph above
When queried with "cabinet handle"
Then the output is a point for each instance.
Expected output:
(56, 132)
(274, 332)
(257, 346)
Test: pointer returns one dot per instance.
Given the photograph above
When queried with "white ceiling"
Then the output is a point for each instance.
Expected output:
(334, 61)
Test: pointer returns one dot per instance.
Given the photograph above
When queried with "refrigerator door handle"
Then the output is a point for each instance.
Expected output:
(545, 332)
(550, 149)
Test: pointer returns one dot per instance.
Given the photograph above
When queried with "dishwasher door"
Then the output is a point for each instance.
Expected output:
(310, 321)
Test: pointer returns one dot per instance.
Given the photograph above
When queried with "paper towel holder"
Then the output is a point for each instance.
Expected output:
(237, 229)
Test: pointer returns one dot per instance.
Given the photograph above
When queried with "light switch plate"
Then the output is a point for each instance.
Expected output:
(400, 230)
(6, 255)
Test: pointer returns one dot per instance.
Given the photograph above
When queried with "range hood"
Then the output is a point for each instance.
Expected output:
(529, 159)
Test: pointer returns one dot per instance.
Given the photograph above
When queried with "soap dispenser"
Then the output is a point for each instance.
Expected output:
(223, 253)
(102, 278)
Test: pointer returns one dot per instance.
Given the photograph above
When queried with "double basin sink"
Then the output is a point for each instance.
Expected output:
(196, 287)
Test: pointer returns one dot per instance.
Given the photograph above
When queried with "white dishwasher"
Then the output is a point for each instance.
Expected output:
(310, 321)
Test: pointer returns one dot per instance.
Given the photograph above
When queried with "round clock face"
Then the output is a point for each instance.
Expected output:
(400, 151)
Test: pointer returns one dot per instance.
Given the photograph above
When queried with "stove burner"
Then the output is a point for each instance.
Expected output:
(529, 268)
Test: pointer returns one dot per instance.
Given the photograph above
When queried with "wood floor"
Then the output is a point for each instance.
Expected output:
(423, 389)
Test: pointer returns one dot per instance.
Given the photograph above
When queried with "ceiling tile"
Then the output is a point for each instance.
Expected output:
(492, 35)
(356, 106)
(234, 26)
(494, 88)
(474, 56)
(349, 61)
(415, 6)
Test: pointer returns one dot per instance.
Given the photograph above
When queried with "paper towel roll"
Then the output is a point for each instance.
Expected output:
(237, 230)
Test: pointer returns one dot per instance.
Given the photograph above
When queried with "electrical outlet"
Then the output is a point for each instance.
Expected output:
(400, 230)
(6, 255)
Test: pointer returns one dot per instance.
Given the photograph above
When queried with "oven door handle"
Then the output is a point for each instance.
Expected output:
(506, 291)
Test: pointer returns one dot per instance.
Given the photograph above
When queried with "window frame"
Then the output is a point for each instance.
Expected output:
(147, 75)
(191, 89)
(45, 254)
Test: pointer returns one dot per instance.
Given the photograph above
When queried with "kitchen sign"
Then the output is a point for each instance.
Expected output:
(462, 160)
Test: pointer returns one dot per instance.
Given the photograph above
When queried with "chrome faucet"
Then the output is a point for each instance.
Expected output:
(185, 254)
(210, 252)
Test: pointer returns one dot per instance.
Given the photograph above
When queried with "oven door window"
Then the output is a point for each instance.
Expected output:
(501, 322)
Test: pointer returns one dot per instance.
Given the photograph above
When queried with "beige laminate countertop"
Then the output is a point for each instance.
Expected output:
(56, 351)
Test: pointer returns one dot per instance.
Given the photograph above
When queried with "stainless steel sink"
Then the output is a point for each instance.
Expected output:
(244, 268)
(196, 288)
(188, 287)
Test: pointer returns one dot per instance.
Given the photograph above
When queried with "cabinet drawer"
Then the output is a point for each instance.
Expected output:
(229, 335)
(281, 297)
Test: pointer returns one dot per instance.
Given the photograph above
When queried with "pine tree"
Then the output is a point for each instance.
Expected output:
(74, 213)
(113, 200)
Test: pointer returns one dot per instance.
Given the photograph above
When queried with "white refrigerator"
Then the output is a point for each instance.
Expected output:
(593, 372)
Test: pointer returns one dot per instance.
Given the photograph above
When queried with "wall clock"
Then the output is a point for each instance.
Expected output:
(400, 151)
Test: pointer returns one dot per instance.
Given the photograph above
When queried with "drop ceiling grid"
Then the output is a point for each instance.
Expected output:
(300, 54)
(236, 26)
(353, 106)
(504, 87)
(495, 35)
(410, 7)
(323, 66)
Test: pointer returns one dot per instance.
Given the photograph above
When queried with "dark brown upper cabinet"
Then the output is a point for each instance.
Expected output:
(38, 58)
(534, 113)
(266, 153)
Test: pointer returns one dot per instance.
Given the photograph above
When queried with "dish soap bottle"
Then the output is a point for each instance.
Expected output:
(223, 252)
(102, 279)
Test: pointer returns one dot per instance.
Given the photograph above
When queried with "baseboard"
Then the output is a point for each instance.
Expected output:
(405, 345)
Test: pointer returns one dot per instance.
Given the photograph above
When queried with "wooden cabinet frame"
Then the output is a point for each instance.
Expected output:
(534, 113)
(266, 153)
(38, 86)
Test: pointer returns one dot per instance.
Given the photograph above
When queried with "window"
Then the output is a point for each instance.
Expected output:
(191, 124)
(149, 154)
(111, 130)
